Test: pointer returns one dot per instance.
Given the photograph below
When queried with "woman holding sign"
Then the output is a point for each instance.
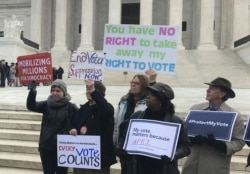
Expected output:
(58, 114)
(160, 108)
(96, 117)
(135, 99)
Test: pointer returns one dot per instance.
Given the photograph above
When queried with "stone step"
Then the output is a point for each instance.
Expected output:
(17, 146)
(25, 135)
(20, 124)
(20, 160)
(20, 115)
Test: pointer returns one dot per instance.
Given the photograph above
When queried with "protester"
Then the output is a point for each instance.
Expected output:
(58, 115)
(54, 72)
(3, 72)
(160, 108)
(12, 75)
(60, 72)
(208, 154)
(134, 100)
(96, 117)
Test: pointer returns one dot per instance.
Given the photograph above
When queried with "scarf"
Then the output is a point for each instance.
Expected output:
(58, 103)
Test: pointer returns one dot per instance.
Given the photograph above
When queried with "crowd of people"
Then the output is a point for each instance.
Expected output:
(9, 74)
(146, 99)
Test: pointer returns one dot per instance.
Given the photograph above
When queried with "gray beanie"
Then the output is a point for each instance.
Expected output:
(59, 83)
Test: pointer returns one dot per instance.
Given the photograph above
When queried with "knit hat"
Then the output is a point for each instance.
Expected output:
(163, 89)
(59, 83)
(100, 87)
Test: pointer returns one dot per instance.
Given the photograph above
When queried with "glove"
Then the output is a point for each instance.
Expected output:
(120, 152)
(165, 159)
(198, 139)
(32, 86)
(220, 145)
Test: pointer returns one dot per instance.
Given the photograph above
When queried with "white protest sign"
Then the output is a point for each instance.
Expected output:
(141, 47)
(80, 151)
(143, 137)
(86, 65)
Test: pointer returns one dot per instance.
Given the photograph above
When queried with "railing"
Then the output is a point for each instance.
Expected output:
(241, 41)
(25, 40)
(29, 42)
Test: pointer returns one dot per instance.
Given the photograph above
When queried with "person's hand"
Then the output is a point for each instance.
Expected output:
(152, 74)
(90, 85)
(165, 159)
(83, 130)
(220, 145)
(120, 152)
(73, 132)
(32, 86)
(199, 139)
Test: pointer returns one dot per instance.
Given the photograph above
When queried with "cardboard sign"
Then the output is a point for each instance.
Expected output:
(80, 151)
(144, 138)
(140, 47)
(36, 67)
(220, 124)
(86, 65)
(246, 136)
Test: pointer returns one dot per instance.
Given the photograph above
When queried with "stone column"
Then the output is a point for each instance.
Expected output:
(60, 26)
(175, 18)
(87, 25)
(240, 16)
(206, 40)
(115, 11)
(36, 22)
(146, 12)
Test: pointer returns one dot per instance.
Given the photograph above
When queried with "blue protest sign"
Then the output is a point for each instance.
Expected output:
(247, 131)
(220, 124)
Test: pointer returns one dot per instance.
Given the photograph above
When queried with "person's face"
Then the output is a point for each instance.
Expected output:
(135, 86)
(56, 93)
(88, 96)
(214, 94)
(153, 102)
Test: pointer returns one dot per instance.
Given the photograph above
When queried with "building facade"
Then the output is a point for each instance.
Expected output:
(60, 26)
(79, 24)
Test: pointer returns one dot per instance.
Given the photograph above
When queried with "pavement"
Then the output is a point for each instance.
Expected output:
(14, 98)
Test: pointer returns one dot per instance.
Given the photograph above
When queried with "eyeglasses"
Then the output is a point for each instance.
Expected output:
(134, 83)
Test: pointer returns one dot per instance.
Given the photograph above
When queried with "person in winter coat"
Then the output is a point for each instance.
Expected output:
(96, 117)
(160, 108)
(60, 72)
(209, 155)
(58, 115)
(12, 75)
(135, 99)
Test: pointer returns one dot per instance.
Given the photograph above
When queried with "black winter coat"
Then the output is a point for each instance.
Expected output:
(99, 120)
(56, 120)
(138, 164)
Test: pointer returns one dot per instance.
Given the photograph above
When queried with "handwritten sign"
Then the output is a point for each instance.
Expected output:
(138, 48)
(220, 124)
(144, 138)
(86, 65)
(35, 67)
(79, 151)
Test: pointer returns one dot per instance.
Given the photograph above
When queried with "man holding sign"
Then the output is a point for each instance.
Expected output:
(208, 154)
(159, 109)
